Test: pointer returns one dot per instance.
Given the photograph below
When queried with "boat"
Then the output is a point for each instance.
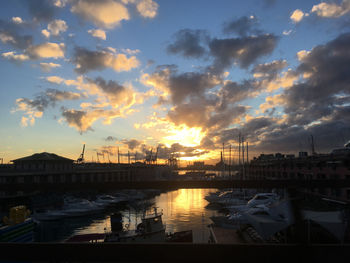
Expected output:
(71, 208)
(83, 208)
(235, 219)
(259, 199)
(225, 198)
(18, 227)
(109, 200)
(151, 229)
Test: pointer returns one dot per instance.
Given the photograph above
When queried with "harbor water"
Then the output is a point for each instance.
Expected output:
(183, 209)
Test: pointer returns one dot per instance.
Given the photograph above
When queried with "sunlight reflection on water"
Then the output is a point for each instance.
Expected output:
(183, 209)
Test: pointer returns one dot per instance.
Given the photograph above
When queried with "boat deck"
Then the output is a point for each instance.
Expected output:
(222, 235)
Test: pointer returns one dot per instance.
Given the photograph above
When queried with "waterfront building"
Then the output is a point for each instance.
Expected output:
(43, 170)
(335, 165)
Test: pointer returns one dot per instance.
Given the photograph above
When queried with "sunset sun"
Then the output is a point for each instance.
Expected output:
(189, 137)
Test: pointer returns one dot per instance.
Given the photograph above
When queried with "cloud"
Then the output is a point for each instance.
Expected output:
(302, 54)
(297, 16)
(287, 32)
(60, 3)
(243, 26)
(147, 8)
(331, 10)
(55, 79)
(317, 105)
(45, 33)
(116, 94)
(9, 34)
(55, 28)
(326, 67)
(130, 51)
(17, 20)
(180, 86)
(110, 139)
(15, 57)
(103, 13)
(98, 33)
(188, 43)
(269, 3)
(82, 120)
(34, 108)
(41, 9)
(46, 50)
(271, 102)
(47, 67)
(243, 51)
(86, 60)
(132, 143)
(269, 70)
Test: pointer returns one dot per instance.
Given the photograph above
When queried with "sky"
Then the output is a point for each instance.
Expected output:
(183, 77)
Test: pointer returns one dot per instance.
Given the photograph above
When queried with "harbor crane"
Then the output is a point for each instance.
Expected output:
(81, 157)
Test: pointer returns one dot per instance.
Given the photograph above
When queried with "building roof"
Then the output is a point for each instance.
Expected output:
(44, 156)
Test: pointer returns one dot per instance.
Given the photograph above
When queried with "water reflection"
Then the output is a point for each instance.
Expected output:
(183, 209)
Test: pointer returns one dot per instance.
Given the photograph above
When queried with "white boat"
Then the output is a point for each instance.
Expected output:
(234, 220)
(221, 197)
(258, 199)
(151, 229)
(83, 208)
(109, 199)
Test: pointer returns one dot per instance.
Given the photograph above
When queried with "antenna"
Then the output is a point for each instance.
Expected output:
(247, 153)
(239, 149)
(156, 157)
(312, 145)
(229, 162)
(118, 156)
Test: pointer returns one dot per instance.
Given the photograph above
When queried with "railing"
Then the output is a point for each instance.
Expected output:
(177, 184)
(175, 252)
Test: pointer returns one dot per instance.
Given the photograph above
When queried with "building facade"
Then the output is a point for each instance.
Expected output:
(335, 165)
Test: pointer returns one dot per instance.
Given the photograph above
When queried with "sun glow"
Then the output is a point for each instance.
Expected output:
(184, 135)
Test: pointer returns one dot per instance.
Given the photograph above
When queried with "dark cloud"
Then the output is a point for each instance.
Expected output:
(243, 26)
(10, 34)
(270, 70)
(269, 3)
(205, 113)
(132, 144)
(76, 118)
(233, 92)
(114, 92)
(327, 86)
(110, 139)
(41, 9)
(317, 105)
(87, 60)
(48, 98)
(243, 51)
(327, 136)
(190, 84)
(188, 43)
